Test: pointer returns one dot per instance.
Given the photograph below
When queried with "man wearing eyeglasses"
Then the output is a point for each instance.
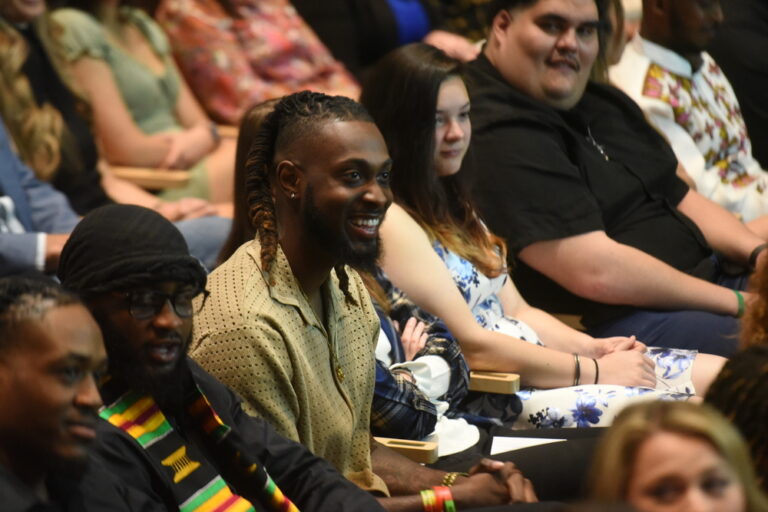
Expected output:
(170, 429)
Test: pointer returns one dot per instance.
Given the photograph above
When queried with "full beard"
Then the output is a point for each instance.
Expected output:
(336, 241)
(165, 387)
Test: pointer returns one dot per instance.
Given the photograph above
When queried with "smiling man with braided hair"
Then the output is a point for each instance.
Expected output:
(289, 324)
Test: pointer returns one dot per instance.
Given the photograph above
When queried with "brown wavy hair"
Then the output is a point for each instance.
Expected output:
(401, 94)
(36, 130)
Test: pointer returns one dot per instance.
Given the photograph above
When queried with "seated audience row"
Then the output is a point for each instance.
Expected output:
(53, 137)
(288, 323)
(440, 254)
(170, 436)
(35, 220)
(143, 112)
(657, 455)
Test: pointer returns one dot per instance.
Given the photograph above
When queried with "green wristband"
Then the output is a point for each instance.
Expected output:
(742, 306)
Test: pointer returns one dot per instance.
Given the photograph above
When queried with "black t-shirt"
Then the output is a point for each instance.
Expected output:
(543, 174)
(77, 175)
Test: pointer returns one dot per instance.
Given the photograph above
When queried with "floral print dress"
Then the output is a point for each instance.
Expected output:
(586, 405)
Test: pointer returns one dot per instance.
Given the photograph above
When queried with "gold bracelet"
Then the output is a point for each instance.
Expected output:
(450, 478)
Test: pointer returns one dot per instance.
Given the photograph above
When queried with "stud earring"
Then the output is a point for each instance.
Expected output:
(293, 195)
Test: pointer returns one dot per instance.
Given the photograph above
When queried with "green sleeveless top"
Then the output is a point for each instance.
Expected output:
(149, 97)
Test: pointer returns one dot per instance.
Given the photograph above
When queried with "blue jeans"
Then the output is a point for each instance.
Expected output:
(691, 329)
(205, 236)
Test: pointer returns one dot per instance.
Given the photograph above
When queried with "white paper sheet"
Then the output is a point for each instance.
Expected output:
(508, 444)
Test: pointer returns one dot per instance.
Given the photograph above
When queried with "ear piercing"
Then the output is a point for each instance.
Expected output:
(293, 195)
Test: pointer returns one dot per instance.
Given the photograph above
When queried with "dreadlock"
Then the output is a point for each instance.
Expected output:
(295, 116)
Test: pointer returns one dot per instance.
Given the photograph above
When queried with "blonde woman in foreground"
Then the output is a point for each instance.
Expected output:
(675, 457)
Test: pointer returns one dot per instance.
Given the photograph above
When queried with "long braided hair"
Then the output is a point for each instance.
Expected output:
(295, 116)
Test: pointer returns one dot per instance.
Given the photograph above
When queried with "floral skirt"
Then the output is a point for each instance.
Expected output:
(595, 405)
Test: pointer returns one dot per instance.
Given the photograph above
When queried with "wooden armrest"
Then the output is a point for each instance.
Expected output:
(227, 131)
(152, 179)
(494, 382)
(424, 452)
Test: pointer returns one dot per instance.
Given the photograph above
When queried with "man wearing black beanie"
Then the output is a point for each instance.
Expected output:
(170, 429)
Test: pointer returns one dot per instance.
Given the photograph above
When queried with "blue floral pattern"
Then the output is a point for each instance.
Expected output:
(586, 413)
(480, 292)
(577, 406)
(672, 362)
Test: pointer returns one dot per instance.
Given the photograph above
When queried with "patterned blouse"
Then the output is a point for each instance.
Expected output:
(698, 113)
(247, 52)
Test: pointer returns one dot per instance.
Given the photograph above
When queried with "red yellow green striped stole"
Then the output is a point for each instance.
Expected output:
(195, 483)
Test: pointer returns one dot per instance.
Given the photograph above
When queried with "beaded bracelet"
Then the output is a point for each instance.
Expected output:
(450, 478)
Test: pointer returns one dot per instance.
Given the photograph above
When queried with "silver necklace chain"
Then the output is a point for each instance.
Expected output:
(597, 145)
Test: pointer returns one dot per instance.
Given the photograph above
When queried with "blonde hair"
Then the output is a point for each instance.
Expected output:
(613, 461)
(36, 130)
(470, 239)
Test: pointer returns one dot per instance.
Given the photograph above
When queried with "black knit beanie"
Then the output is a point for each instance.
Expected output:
(121, 246)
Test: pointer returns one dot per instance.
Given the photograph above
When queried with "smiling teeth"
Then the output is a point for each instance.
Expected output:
(367, 222)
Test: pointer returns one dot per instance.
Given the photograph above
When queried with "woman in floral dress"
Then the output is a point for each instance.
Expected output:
(439, 252)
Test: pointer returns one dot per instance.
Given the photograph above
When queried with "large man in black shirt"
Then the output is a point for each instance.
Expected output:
(585, 192)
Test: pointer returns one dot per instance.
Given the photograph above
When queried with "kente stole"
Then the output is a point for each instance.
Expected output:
(197, 485)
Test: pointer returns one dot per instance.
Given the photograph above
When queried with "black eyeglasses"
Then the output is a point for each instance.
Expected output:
(145, 304)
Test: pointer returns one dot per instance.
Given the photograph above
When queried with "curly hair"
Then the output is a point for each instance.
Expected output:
(740, 392)
(293, 117)
(36, 130)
